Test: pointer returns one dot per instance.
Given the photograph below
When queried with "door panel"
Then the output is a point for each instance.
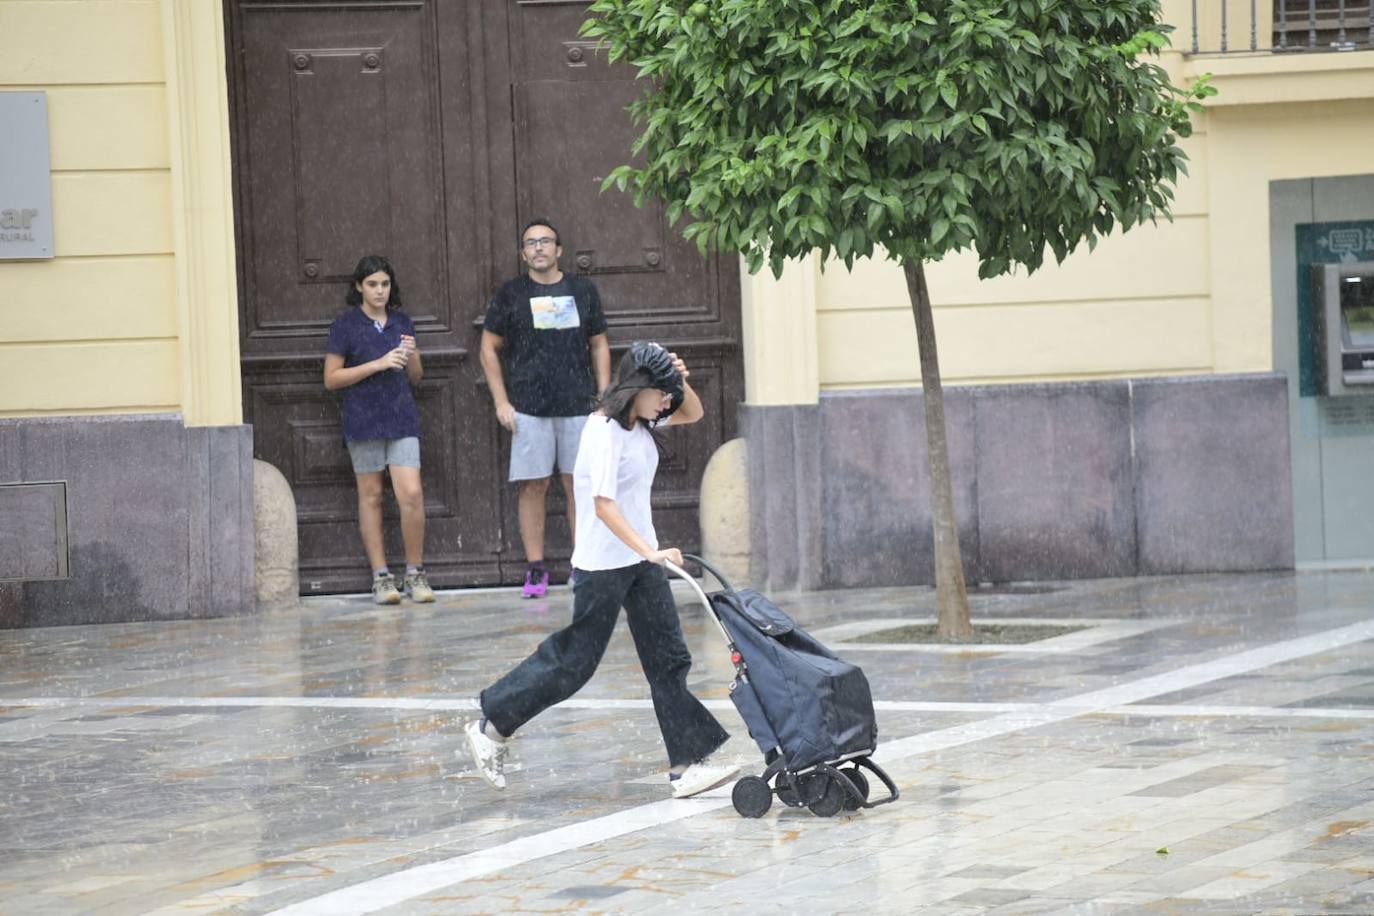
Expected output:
(339, 131)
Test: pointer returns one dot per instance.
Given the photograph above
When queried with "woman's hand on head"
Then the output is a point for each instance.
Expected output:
(679, 365)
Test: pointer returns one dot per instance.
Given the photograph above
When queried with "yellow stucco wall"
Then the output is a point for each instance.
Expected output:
(1138, 305)
(95, 328)
(137, 310)
(1191, 296)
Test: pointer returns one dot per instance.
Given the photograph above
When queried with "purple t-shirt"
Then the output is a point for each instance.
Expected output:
(382, 405)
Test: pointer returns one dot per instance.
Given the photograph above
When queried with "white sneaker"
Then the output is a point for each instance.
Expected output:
(488, 755)
(703, 776)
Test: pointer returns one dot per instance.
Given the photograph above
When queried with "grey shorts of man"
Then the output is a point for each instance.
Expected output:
(541, 445)
(547, 358)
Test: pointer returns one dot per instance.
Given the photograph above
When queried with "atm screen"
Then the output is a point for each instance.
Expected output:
(1357, 310)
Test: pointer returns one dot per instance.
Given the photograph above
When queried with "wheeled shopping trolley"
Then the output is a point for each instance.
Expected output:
(810, 711)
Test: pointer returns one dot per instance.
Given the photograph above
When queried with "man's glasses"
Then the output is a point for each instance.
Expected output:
(541, 242)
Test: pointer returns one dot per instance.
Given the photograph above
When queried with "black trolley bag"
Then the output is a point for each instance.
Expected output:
(809, 711)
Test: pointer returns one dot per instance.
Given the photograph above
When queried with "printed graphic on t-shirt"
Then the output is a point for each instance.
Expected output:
(554, 313)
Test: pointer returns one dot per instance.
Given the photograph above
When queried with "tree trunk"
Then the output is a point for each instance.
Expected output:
(949, 565)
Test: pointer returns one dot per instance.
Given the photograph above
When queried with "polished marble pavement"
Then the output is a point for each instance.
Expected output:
(1204, 746)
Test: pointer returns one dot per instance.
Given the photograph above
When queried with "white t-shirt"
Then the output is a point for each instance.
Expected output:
(618, 464)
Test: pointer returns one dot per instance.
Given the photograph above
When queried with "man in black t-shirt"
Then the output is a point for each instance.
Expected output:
(547, 358)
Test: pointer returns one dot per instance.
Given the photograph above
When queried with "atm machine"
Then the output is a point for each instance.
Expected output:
(1344, 301)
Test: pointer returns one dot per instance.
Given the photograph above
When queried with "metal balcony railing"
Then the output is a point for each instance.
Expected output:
(1283, 26)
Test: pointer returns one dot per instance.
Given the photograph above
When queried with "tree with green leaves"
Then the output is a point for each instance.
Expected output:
(914, 128)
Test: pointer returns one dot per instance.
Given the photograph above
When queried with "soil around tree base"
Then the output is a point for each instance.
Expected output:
(1006, 634)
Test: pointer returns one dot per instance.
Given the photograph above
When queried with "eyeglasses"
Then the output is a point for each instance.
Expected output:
(540, 242)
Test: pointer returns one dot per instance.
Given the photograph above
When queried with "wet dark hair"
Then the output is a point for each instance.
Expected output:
(618, 401)
(368, 266)
(557, 241)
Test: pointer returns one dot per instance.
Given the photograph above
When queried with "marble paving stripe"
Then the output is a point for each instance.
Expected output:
(595, 703)
(1223, 667)
(465, 703)
(1118, 695)
(1238, 712)
(461, 704)
(389, 890)
(1096, 630)
(397, 887)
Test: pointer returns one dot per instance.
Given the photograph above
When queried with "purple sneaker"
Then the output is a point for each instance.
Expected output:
(536, 582)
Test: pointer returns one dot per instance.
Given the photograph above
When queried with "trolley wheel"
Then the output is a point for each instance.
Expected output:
(831, 801)
(860, 781)
(787, 796)
(811, 788)
(752, 797)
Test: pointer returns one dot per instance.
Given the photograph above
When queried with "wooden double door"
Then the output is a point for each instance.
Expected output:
(431, 131)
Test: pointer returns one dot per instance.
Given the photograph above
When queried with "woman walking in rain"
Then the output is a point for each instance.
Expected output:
(372, 357)
(619, 564)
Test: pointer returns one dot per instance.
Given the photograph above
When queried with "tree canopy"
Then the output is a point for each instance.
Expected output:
(781, 127)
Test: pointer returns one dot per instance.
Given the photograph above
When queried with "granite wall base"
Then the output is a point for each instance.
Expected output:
(1051, 481)
(159, 518)
(785, 515)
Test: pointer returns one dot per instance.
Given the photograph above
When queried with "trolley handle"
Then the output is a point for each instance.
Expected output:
(715, 573)
(690, 580)
(706, 600)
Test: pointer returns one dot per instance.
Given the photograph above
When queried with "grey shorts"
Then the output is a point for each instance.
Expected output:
(540, 443)
(372, 455)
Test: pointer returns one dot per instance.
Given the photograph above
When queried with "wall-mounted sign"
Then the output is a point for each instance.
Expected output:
(25, 177)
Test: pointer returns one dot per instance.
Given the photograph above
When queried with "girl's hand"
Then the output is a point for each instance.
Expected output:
(680, 366)
(672, 555)
(408, 343)
(395, 359)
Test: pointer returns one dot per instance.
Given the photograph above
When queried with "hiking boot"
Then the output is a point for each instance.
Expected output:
(488, 755)
(536, 582)
(702, 776)
(384, 589)
(417, 587)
